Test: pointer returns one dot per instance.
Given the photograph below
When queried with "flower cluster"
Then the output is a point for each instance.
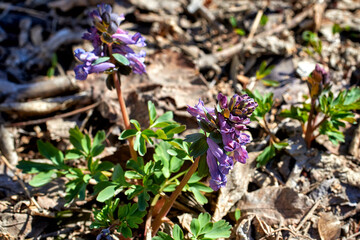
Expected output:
(227, 123)
(108, 39)
(318, 80)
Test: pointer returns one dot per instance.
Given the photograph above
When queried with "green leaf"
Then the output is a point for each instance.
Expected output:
(204, 218)
(198, 196)
(203, 169)
(142, 200)
(100, 60)
(73, 154)
(99, 138)
(42, 178)
(121, 59)
(118, 175)
(76, 137)
(142, 145)
(264, 19)
(128, 133)
(126, 232)
(161, 134)
(165, 118)
(270, 83)
(175, 163)
(195, 227)
(104, 166)
(35, 167)
(107, 193)
(233, 21)
(198, 147)
(97, 150)
(237, 214)
(221, 229)
(280, 145)
(162, 236)
(266, 155)
(193, 137)
(51, 152)
(240, 31)
(152, 112)
(136, 124)
(178, 233)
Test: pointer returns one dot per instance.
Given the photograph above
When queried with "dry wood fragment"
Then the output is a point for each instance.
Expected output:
(355, 143)
(7, 145)
(44, 106)
(41, 89)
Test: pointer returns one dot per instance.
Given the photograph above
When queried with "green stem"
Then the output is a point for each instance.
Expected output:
(124, 113)
(309, 127)
(158, 220)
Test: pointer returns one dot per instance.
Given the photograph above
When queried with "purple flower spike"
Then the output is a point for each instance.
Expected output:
(227, 121)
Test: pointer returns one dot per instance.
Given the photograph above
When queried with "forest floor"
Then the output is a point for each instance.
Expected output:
(195, 49)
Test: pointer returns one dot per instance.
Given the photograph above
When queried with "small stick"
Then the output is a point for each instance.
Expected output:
(12, 169)
(283, 229)
(353, 236)
(308, 215)
(255, 25)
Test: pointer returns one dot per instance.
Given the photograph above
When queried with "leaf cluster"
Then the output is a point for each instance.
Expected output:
(84, 148)
(201, 228)
(337, 111)
(126, 216)
(313, 40)
(263, 71)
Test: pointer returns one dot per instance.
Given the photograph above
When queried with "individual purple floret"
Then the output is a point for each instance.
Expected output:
(107, 38)
(227, 122)
(88, 58)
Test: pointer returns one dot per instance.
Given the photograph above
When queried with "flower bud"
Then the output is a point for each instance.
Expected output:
(317, 81)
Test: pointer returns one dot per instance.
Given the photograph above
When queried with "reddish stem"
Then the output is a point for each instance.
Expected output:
(124, 113)
(167, 206)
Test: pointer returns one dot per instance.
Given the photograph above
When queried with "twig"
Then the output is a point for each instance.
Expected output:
(42, 120)
(283, 229)
(353, 236)
(255, 25)
(168, 204)
(12, 169)
(308, 215)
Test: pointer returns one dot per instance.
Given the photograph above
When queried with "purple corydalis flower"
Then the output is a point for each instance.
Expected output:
(88, 58)
(227, 121)
(199, 112)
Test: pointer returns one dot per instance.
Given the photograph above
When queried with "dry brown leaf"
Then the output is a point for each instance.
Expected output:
(329, 226)
(276, 205)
